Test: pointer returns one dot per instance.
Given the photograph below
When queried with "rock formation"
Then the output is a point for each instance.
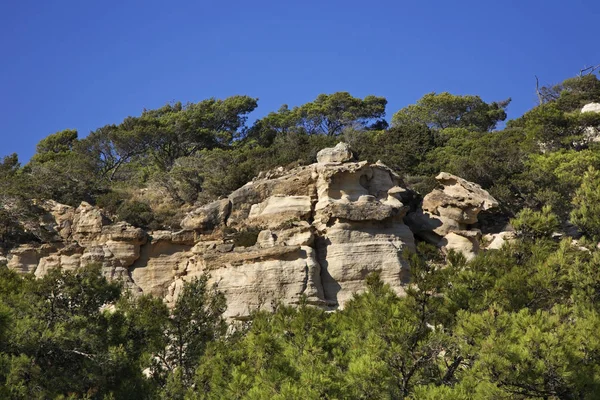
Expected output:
(591, 133)
(313, 232)
(591, 107)
(447, 213)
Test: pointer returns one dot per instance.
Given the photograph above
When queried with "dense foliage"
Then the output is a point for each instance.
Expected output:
(517, 323)
(76, 335)
(148, 168)
(521, 322)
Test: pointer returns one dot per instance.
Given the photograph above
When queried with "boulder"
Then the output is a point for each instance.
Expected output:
(591, 107)
(463, 242)
(446, 214)
(339, 154)
(207, 217)
(498, 240)
(458, 199)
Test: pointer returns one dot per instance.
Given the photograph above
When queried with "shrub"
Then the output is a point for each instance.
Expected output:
(536, 224)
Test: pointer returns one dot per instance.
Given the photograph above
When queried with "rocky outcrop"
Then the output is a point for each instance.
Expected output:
(338, 154)
(591, 133)
(447, 213)
(24, 259)
(313, 232)
(496, 241)
(591, 107)
(206, 218)
(320, 229)
(80, 236)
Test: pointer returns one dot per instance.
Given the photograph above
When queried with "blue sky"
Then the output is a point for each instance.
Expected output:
(84, 64)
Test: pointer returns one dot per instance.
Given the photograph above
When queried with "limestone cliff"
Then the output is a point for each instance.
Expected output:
(314, 231)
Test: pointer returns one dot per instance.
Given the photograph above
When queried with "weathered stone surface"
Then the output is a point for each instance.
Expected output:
(458, 199)
(160, 262)
(67, 262)
(297, 182)
(83, 236)
(277, 210)
(265, 239)
(464, 242)
(59, 218)
(122, 232)
(447, 212)
(299, 233)
(261, 279)
(365, 209)
(349, 251)
(338, 154)
(208, 217)
(498, 240)
(357, 192)
(24, 259)
(321, 229)
(87, 223)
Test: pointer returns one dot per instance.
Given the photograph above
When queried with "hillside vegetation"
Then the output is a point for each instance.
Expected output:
(522, 322)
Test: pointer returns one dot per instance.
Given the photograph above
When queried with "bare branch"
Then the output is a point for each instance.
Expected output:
(81, 353)
(537, 90)
(588, 70)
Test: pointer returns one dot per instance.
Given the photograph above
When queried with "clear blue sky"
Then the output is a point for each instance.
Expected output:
(83, 64)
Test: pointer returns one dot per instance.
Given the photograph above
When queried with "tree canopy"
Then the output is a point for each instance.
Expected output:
(520, 322)
(444, 110)
(326, 115)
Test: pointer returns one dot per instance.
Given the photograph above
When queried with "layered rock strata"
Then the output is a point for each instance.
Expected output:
(314, 232)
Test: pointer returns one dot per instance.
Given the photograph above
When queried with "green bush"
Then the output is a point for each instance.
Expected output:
(135, 212)
(536, 224)
(586, 211)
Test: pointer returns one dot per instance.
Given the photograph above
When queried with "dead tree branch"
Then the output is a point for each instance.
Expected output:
(537, 90)
(588, 70)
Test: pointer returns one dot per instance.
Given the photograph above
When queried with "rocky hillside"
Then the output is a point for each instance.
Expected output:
(314, 231)
(172, 206)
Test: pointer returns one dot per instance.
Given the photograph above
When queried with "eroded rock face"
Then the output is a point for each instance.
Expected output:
(349, 251)
(338, 154)
(255, 278)
(446, 214)
(59, 219)
(24, 259)
(280, 208)
(591, 133)
(313, 232)
(80, 237)
(320, 229)
(208, 217)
